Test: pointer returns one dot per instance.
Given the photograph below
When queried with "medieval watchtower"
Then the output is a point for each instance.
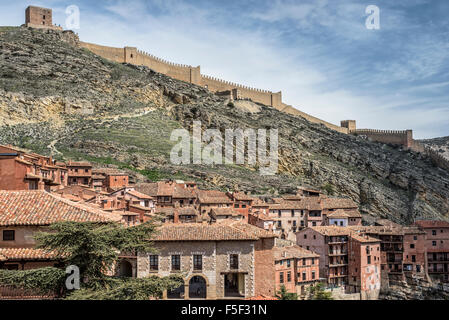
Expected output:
(38, 17)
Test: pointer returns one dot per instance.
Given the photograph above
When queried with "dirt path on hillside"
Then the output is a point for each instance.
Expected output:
(52, 145)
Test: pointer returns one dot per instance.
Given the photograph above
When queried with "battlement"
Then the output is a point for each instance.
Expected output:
(400, 137)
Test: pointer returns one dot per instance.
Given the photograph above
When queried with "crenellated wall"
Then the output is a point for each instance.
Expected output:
(401, 137)
(193, 75)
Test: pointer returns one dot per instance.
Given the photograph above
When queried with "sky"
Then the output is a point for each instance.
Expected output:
(319, 53)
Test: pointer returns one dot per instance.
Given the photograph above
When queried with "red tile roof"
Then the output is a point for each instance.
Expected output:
(42, 208)
(139, 195)
(220, 231)
(212, 197)
(432, 224)
(25, 254)
(294, 251)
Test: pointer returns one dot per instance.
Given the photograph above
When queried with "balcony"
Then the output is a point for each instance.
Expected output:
(338, 264)
(337, 253)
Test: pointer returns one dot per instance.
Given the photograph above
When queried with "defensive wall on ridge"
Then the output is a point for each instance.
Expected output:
(193, 75)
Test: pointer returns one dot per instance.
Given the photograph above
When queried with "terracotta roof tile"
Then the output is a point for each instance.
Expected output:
(25, 254)
(294, 251)
(432, 224)
(42, 208)
(139, 195)
(222, 231)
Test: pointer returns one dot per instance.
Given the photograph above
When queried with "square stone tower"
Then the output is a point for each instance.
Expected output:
(38, 17)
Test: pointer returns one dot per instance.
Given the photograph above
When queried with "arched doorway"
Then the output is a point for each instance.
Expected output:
(197, 288)
(125, 269)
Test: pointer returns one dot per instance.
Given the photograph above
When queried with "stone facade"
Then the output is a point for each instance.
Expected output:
(215, 266)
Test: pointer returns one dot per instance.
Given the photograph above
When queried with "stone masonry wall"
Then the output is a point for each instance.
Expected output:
(193, 75)
(215, 262)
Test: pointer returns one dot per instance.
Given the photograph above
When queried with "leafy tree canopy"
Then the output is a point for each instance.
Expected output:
(94, 248)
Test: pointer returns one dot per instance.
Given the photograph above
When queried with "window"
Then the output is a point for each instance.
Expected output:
(176, 262)
(293, 213)
(314, 237)
(305, 236)
(313, 261)
(279, 213)
(314, 224)
(368, 259)
(304, 276)
(415, 238)
(154, 262)
(289, 277)
(412, 246)
(279, 224)
(288, 263)
(236, 205)
(313, 275)
(434, 243)
(197, 262)
(281, 277)
(413, 258)
(243, 205)
(234, 261)
(9, 235)
(86, 170)
(434, 232)
(303, 262)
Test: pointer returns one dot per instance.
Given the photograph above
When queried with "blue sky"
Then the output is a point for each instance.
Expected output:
(319, 53)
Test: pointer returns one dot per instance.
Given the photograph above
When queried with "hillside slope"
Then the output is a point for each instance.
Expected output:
(438, 144)
(56, 98)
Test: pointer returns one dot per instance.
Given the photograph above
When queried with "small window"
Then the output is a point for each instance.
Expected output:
(313, 275)
(234, 261)
(304, 276)
(415, 238)
(412, 246)
(434, 243)
(434, 232)
(289, 276)
(305, 236)
(176, 262)
(281, 277)
(197, 262)
(154, 262)
(368, 259)
(9, 235)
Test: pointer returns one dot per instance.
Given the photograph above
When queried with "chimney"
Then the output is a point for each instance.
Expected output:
(175, 216)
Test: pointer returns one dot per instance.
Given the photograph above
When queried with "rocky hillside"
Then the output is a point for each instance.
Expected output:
(439, 144)
(58, 99)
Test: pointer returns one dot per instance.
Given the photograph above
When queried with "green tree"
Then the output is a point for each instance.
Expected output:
(329, 189)
(317, 292)
(283, 294)
(94, 248)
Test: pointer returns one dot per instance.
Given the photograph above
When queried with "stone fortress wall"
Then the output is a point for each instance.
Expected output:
(193, 75)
